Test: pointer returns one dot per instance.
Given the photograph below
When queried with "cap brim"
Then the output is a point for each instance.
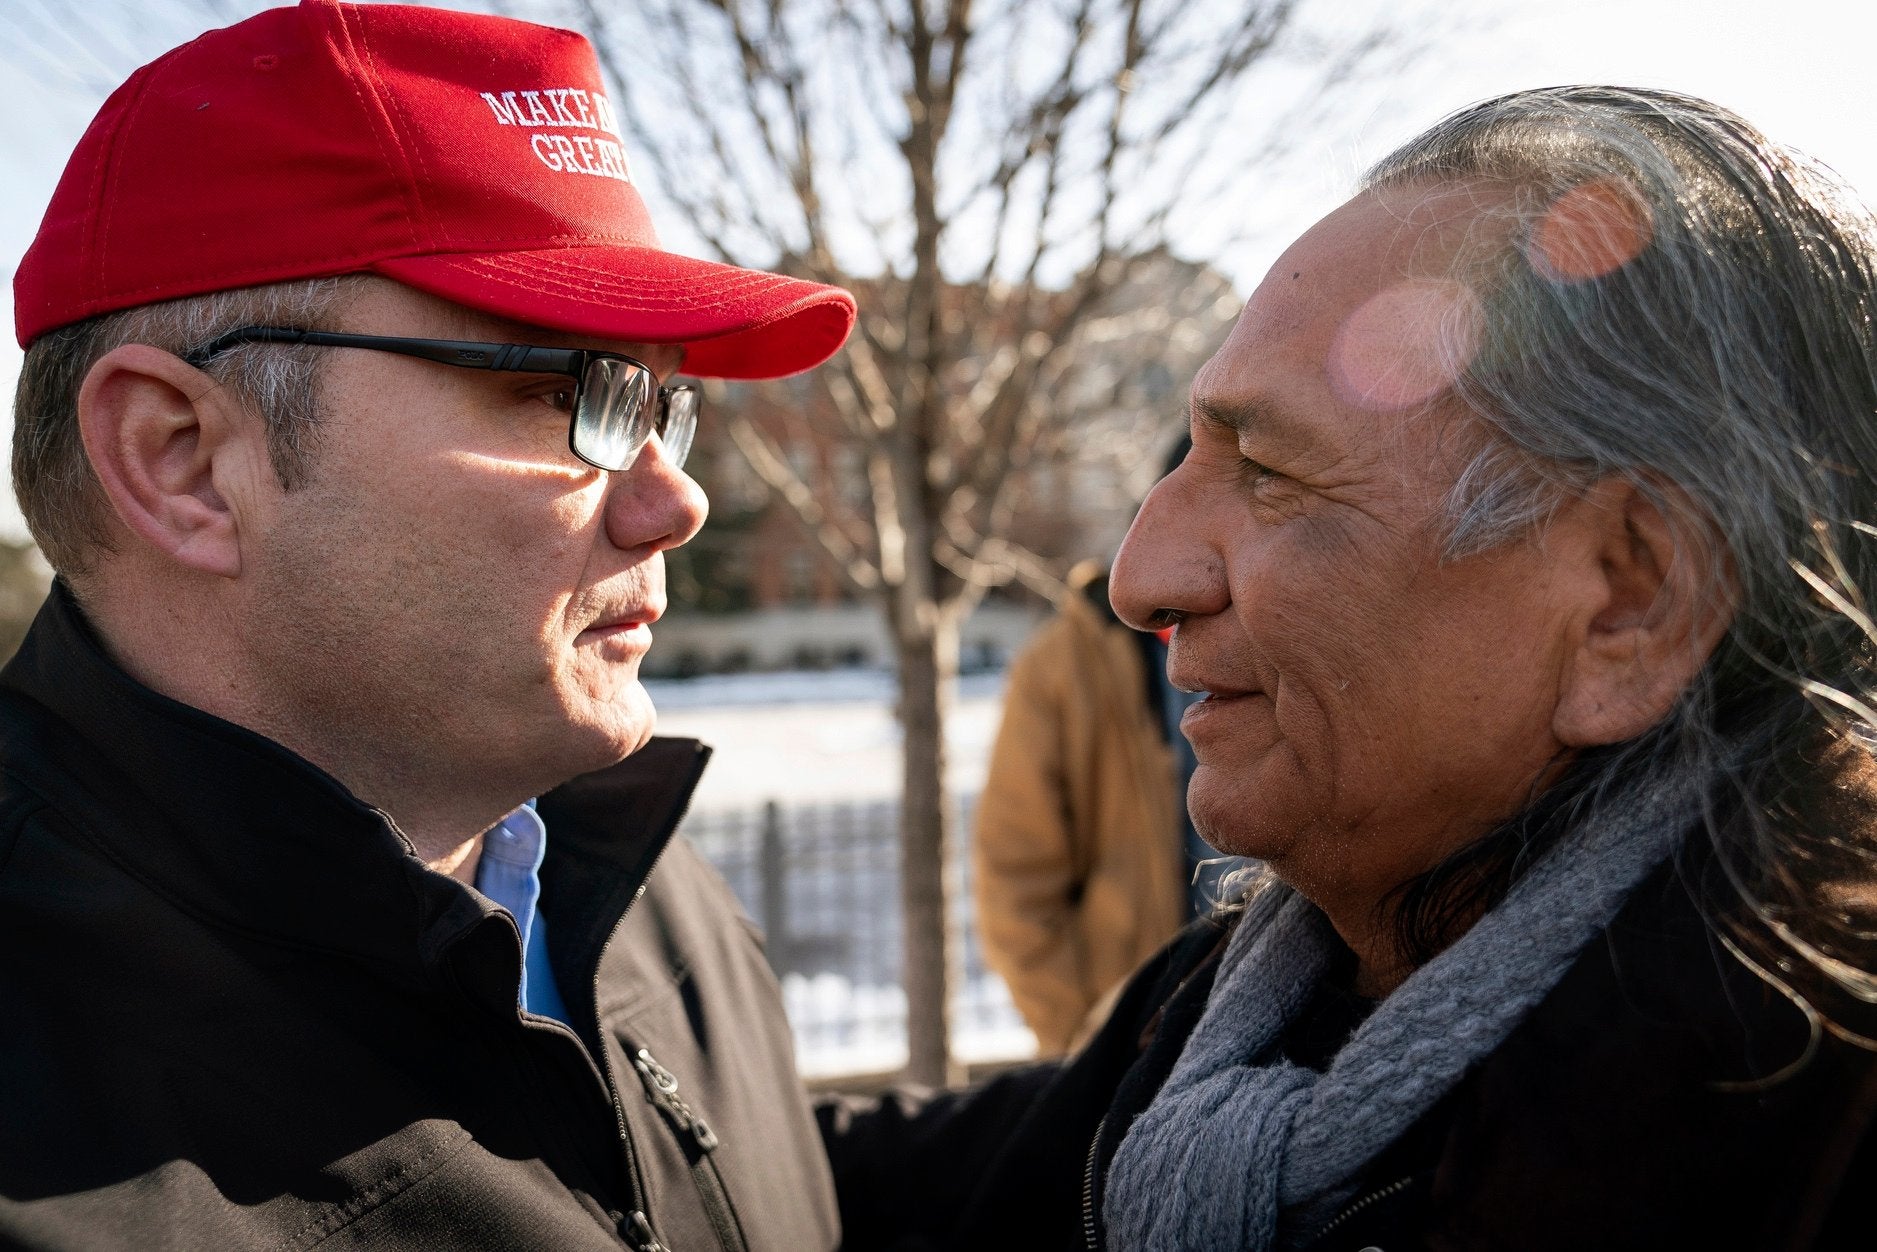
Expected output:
(734, 323)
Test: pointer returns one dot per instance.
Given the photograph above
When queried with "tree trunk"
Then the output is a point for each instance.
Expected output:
(928, 676)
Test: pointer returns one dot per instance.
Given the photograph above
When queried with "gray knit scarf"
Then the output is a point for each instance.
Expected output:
(1243, 1150)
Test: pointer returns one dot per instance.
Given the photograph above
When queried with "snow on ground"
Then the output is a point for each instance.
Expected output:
(830, 739)
(814, 736)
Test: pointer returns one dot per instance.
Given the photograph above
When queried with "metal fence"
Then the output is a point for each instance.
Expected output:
(823, 882)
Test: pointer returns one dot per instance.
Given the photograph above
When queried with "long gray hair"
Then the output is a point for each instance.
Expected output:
(1729, 354)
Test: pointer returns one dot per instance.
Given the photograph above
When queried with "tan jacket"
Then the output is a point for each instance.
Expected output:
(1077, 863)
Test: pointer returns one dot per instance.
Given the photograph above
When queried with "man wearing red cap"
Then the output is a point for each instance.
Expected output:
(338, 898)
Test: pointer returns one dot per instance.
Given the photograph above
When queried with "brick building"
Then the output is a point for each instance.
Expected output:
(756, 590)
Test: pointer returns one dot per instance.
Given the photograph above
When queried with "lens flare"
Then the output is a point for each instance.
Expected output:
(1591, 230)
(1405, 345)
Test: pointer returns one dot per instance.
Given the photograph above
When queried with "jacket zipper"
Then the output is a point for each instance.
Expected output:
(661, 1089)
(1374, 1197)
(636, 1228)
(649, 1241)
(642, 1230)
(1091, 1234)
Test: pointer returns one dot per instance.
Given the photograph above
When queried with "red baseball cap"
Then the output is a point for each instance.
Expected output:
(476, 158)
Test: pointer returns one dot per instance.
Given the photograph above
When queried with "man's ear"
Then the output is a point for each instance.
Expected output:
(1660, 597)
(162, 438)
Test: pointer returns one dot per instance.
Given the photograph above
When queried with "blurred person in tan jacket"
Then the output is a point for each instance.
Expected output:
(1077, 863)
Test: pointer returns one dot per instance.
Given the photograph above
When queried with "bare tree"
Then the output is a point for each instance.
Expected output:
(988, 177)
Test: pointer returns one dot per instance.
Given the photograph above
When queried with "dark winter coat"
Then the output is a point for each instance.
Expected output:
(237, 1012)
(1663, 1096)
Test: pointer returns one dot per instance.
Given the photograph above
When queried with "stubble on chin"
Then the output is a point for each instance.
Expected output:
(608, 709)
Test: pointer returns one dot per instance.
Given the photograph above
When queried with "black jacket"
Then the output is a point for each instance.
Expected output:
(237, 1012)
(1662, 1096)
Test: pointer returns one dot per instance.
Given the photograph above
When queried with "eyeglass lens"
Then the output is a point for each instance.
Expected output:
(615, 412)
(681, 405)
(618, 406)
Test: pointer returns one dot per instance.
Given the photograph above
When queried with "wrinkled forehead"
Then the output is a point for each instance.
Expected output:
(1375, 301)
(1407, 231)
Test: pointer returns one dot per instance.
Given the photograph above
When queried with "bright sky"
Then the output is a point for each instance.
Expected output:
(1801, 70)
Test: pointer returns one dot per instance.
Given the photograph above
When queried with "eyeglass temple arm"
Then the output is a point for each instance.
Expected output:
(510, 357)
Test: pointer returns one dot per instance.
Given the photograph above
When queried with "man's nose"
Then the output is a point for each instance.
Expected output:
(653, 503)
(1167, 570)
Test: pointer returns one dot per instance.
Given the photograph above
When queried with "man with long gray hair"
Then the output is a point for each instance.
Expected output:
(1523, 559)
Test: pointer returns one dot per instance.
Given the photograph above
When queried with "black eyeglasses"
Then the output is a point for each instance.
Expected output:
(617, 403)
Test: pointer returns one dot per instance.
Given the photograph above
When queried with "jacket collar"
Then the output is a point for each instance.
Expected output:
(229, 825)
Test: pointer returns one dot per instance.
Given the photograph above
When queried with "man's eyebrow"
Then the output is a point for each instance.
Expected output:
(1252, 415)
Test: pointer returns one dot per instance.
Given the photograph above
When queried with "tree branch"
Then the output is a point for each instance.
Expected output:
(861, 575)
